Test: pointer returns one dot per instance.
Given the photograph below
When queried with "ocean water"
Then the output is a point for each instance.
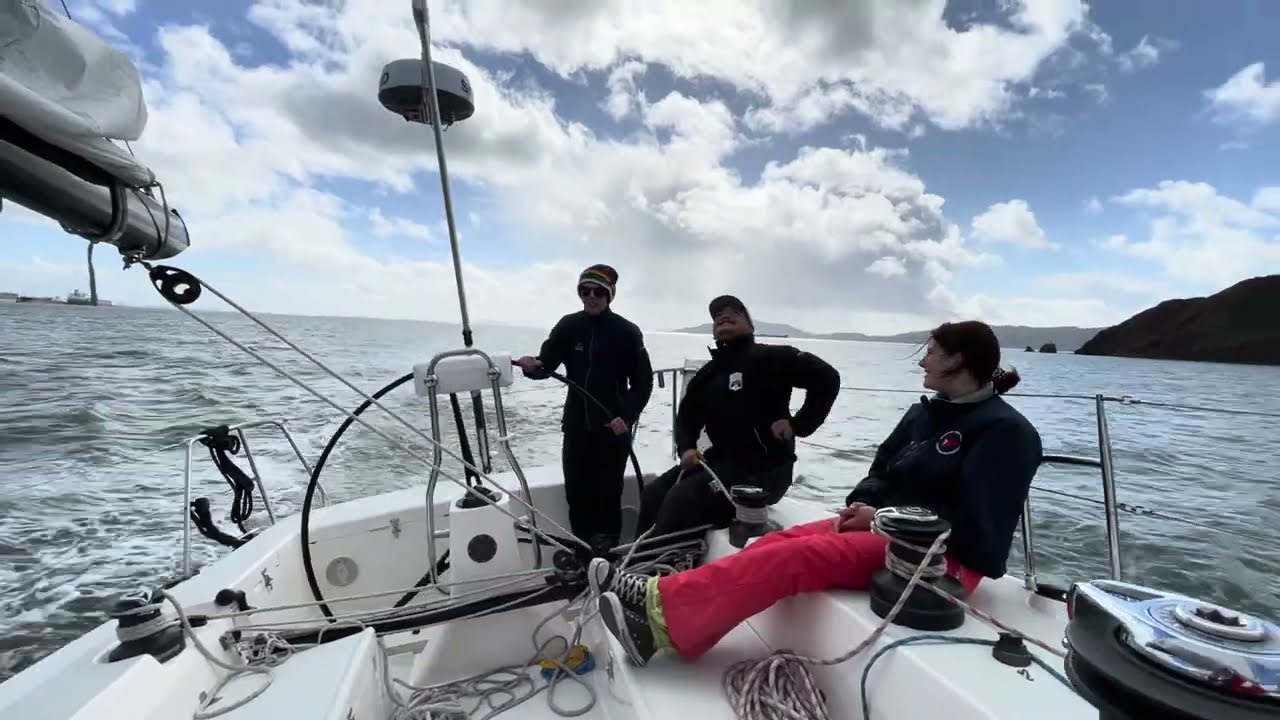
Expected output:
(91, 500)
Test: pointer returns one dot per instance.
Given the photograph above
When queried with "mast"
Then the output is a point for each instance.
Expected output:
(431, 109)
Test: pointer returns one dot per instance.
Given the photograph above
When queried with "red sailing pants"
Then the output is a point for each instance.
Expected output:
(702, 605)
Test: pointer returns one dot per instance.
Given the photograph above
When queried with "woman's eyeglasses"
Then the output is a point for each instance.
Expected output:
(592, 290)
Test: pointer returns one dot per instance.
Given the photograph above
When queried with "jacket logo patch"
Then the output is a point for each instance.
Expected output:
(578, 347)
(949, 443)
(735, 381)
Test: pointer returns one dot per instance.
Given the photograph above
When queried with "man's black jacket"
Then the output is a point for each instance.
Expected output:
(743, 390)
(970, 462)
(605, 354)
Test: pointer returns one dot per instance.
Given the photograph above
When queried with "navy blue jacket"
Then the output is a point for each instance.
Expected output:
(972, 463)
(605, 354)
(745, 388)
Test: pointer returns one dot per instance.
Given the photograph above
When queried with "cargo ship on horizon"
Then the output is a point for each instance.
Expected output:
(80, 298)
(75, 298)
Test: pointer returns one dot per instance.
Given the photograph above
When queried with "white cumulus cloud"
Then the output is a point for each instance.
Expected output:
(1246, 98)
(1011, 223)
(277, 159)
(1202, 237)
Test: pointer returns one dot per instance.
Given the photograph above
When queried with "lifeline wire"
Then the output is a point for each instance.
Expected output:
(1124, 507)
(1131, 400)
(1122, 399)
(1141, 511)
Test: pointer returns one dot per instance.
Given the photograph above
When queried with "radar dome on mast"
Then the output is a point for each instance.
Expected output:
(403, 86)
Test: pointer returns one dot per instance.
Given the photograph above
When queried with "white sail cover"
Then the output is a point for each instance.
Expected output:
(65, 85)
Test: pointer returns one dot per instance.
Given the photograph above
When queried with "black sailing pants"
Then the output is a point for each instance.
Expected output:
(594, 463)
(669, 506)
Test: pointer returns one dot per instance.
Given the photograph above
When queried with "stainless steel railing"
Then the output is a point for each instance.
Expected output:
(1028, 536)
(253, 468)
(504, 441)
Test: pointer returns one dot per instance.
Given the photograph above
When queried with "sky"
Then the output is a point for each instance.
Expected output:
(841, 165)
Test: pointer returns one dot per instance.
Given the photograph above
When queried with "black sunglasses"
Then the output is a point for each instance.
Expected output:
(596, 290)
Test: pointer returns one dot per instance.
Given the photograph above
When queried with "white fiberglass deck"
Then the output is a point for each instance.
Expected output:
(385, 535)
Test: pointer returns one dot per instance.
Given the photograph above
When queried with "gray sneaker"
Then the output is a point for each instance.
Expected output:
(602, 576)
(626, 622)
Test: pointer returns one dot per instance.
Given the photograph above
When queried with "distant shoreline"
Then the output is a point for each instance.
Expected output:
(1067, 339)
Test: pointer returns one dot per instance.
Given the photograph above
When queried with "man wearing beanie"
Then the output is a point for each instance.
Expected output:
(604, 355)
(742, 400)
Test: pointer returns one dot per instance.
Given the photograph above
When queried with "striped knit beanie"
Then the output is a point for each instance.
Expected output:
(602, 275)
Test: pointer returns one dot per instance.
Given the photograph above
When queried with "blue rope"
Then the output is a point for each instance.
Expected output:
(942, 639)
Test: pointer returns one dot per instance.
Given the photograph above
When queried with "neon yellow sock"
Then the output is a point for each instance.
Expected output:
(653, 613)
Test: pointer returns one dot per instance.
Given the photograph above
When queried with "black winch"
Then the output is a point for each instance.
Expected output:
(470, 500)
(1136, 653)
(751, 514)
(142, 629)
(924, 609)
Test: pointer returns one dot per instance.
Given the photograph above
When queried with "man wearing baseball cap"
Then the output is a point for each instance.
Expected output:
(604, 355)
(742, 399)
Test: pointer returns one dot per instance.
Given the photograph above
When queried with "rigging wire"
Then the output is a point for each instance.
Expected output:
(180, 287)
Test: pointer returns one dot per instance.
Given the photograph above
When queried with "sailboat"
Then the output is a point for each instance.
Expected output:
(469, 598)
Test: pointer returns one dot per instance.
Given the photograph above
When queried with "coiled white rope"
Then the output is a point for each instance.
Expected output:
(781, 686)
(267, 655)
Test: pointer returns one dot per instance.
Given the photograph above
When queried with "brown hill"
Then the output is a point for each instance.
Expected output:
(1238, 325)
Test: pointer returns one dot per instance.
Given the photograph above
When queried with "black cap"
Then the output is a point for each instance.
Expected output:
(728, 302)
